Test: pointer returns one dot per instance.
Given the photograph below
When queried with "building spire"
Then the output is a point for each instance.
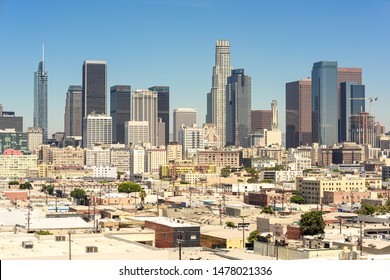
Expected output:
(43, 57)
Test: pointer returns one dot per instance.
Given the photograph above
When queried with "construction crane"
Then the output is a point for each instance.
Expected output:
(369, 98)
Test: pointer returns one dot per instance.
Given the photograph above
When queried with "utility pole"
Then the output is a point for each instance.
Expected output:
(94, 211)
(361, 239)
(180, 241)
(340, 224)
(243, 233)
(28, 216)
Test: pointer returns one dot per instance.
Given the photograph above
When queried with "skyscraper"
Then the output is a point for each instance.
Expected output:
(144, 107)
(325, 102)
(120, 104)
(298, 113)
(183, 117)
(163, 107)
(40, 97)
(352, 101)
(94, 87)
(73, 111)
(8, 120)
(221, 71)
(238, 107)
(362, 129)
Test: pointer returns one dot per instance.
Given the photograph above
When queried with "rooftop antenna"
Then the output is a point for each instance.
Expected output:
(43, 57)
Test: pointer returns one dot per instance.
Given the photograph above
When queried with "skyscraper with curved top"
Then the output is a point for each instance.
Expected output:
(221, 71)
(40, 97)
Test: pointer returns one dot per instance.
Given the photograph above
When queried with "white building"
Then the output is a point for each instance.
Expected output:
(192, 139)
(34, 138)
(103, 171)
(174, 152)
(97, 129)
(155, 157)
(144, 108)
(120, 157)
(136, 132)
(17, 166)
(183, 117)
(97, 156)
(298, 162)
(137, 161)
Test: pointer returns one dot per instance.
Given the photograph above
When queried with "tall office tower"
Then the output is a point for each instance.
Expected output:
(352, 101)
(97, 129)
(120, 104)
(221, 71)
(40, 97)
(137, 161)
(163, 108)
(136, 133)
(154, 157)
(73, 112)
(238, 107)
(209, 108)
(324, 102)
(298, 113)
(362, 129)
(94, 87)
(144, 107)
(183, 116)
(275, 115)
(161, 133)
(191, 139)
(261, 119)
(8, 120)
(34, 138)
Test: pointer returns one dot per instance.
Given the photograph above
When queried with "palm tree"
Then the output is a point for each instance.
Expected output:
(142, 195)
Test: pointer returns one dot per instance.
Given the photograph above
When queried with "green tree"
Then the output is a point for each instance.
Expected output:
(13, 183)
(129, 187)
(25, 186)
(230, 224)
(367, 209)
(254, 236)
(225, 172)
(267, 210)
(312, 223)
(48, 189)
(297, 199)
(79, 195)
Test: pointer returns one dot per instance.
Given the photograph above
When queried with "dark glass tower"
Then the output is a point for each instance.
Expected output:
(352, 101)
(163, 107)
(325, 102)
(73, 111)
(120, 104)
(238, 107)
(94, 87)
(40, 97)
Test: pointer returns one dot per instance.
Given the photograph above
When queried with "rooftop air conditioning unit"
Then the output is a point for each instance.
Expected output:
(91, 249)
(27, 244)
(60, 238)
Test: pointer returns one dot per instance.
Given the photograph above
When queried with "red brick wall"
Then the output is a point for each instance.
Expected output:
(164, 235)
(18, 195)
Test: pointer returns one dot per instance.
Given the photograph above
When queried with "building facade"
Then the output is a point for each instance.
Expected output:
(94, 91)
(73, 111)
(144, 108)
(221, 71)
(10, 139)
(298, 117)
(136, 132)
(97, 129)
(163, 108)
(261, 119)
(238, 107)
(325, 102)
(362, 129)
(34, 138)
(183, 117)
(40, 97)
(120, 104)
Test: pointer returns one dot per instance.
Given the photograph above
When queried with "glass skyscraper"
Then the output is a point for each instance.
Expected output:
(163, 107)
(120, 104)
(325, 102)
(73, 111)
(352, 101)
(40, 97)
(238, 107)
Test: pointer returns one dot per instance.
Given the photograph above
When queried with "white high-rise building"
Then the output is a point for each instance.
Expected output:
(192, 139)
(145, 108)
(137, 161)
(183, 117)
(136, 132)
(221, 71)
(97, 129)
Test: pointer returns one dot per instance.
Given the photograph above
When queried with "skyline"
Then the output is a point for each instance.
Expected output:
(172, 43)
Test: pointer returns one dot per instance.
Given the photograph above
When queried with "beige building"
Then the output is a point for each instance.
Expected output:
(220, 158)
(53, 171)
(312, 189)
(120, 157)
(68, 156)
(98, 156)
(34, 138)
(154, 158)
(174, 152)
(17, 166)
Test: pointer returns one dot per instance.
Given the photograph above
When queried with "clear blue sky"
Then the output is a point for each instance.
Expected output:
(172, 42)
